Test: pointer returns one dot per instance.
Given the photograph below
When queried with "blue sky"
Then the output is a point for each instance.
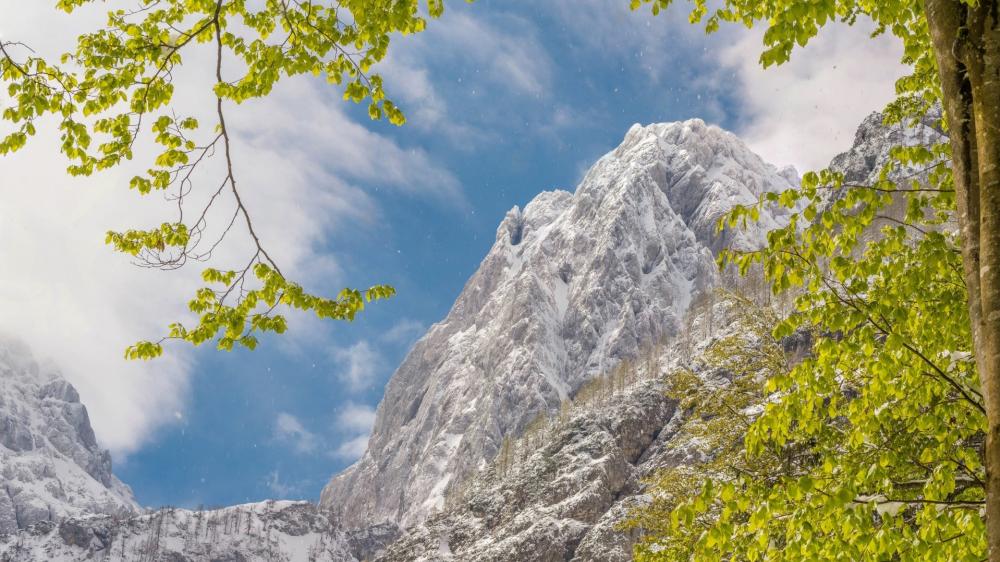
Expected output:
(505, 99)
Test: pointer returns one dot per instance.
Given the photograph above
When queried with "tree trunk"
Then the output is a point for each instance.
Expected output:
(966, 42)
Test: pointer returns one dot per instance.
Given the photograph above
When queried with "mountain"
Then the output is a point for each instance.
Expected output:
(560, 492)
(61, 502)
(574, 283)
(50, 462)
(512, 430)
(547, 505)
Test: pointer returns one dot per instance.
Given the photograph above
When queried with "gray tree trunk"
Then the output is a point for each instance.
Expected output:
(966, 42)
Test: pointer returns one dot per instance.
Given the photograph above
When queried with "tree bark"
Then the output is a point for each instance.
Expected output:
(966, 43)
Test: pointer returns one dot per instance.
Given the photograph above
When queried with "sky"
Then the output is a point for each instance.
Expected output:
(504, 99)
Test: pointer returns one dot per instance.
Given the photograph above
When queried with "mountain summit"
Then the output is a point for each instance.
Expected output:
(574, 283)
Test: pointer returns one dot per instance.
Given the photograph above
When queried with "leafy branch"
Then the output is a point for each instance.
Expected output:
(118, 85)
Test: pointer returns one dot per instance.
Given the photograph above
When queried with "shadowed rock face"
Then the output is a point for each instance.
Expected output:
(574, 283)
(51, 466)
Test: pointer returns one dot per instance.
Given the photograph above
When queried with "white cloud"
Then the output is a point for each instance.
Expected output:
(358, 365)
(355, 422)
(356, 418)
(405, 331)
(74, 302)
(505, 49)
(71, 299)
(288, 428)
(352, 449)
(280, 489)
(806, 111)
(303, 120)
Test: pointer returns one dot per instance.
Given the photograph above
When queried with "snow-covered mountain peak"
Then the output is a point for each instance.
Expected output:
(542, 210)
(703, 171)
(574, 283)
(50, 462)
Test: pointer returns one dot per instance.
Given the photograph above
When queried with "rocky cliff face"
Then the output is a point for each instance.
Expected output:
(873, 141)
(51, 465)
(547, 505)
(565, 485)
(574, 283)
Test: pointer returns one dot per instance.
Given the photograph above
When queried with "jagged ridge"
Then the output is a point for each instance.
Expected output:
(50, 462)
(574, 283)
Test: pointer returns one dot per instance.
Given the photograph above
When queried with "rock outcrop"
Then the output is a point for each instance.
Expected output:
(51, 466)
(548, 505)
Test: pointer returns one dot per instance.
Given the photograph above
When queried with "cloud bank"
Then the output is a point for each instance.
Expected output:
(805, 111)
(77, 303)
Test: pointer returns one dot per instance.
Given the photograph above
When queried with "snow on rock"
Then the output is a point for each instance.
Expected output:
(276, 531)
(51, 465)
(562, 490)
(574, 283)
(567, 493)
(873, 141)
(559, 485)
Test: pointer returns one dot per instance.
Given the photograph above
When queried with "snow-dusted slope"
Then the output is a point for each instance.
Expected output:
(563, 489)
(573, 283)
(548, 505)
(282, 531)
(51, 466)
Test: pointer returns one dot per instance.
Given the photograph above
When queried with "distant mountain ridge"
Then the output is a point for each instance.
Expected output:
(273, 531)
